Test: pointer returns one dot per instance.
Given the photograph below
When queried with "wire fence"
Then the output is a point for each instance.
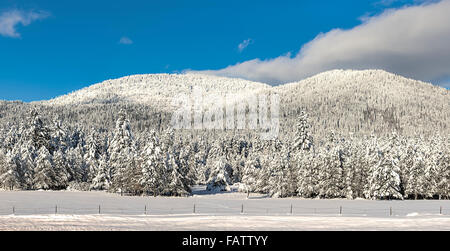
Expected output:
(199, 209)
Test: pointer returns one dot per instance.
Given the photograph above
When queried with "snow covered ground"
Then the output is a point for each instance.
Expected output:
(35, 210)
(202, 223)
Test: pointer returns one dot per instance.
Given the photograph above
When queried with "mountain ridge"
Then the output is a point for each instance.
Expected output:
(343, 101)
(200, 79)
(369, 101)
(144, 88)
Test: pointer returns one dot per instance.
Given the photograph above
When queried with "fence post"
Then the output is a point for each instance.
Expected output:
(14, 210)
(145, 209)
(242, 209)
(56, 209)
(390, 211)
(99, 212)
(340, 210)
(292, 210)
(440, 210)
(194, 209)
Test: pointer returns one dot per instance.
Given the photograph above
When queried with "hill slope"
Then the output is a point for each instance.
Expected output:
(157, 90)
(355, 102)
(370, 101)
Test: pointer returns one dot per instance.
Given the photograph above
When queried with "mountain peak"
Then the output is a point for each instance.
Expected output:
(154, 88)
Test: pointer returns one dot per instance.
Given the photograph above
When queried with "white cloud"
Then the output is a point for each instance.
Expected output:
(411, 41)
(10, 19)
(125, 40)
(244, 44)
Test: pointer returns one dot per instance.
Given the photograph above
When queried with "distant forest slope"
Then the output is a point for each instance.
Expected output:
(346, 102)
(367, 102)
(344, 134)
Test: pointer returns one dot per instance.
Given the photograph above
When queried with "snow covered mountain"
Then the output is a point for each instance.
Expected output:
(157, 90)
(115, 136)
(368, 101)
(343, 101)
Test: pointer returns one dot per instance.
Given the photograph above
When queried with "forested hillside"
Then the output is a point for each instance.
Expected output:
(366, 102)
(344, 134)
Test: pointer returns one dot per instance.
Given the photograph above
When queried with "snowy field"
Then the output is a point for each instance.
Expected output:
(204, 223)
(36, 210)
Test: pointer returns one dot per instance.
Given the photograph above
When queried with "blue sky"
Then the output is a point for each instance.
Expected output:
(49, 48)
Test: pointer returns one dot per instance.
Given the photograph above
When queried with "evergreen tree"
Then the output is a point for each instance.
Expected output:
(177, 185)
(250, 173)
(303, 139)
(9, 171)
(44, 175)
(121, 149)
(264, 174)
(219, 179)
(200, 160)
(58, 134)
(27, 165)
(331, 173)
(133, 174)
(308, 175)
(443, 176)
(92, 155)
(356, 169)
(77, 171)
(61, 170)
(279, 183)
(153, 166)
(186, 163)
(415, 171)
(101, 181)
(39, 134)
(384, 179)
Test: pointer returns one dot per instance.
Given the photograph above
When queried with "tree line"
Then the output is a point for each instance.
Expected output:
(36, 155)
